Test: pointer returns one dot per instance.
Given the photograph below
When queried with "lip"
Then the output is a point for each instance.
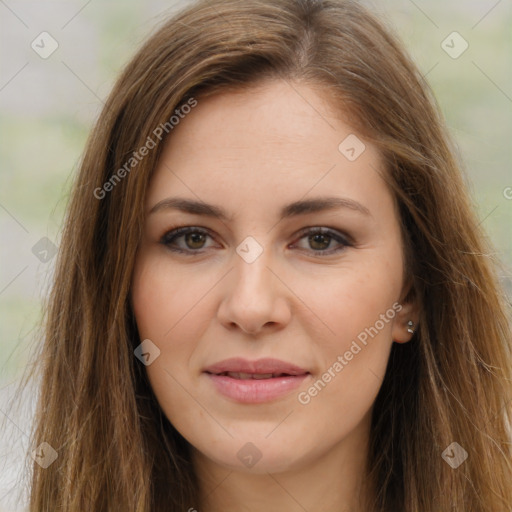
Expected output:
(255, 390)
(265, 365)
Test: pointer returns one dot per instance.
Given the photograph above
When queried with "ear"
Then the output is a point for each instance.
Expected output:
(409, 313)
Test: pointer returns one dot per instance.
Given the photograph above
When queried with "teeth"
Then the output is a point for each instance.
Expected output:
(240, 375)
(263, 376)
(246, 376)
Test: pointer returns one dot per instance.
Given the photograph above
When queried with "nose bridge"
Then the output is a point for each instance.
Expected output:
(254, 297)
(252, 272)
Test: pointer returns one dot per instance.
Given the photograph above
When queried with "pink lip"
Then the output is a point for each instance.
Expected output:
(255, 390)
(266, 365)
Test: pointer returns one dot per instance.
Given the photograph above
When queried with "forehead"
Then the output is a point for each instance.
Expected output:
(267, 144)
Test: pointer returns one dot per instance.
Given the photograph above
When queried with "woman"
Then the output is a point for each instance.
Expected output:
(272, 292)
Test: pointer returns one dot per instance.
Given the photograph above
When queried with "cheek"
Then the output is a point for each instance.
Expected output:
(161, 301)
(354, 359)
(167, 305)
(359, 310)
(171, 307)
(360, 300)
(163, 298)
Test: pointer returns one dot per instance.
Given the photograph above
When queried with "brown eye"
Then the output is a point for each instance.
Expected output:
(193, 238)
(320, 240)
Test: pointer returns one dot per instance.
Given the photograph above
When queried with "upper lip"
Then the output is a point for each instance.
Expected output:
(265, 366)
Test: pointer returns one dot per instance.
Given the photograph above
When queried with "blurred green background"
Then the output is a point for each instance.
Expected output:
(48, 107)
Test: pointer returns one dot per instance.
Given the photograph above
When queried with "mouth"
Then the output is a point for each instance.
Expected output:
(254, 382)
(238, 367)
(256, 376)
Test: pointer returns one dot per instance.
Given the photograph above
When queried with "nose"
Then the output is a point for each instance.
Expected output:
(255, 296)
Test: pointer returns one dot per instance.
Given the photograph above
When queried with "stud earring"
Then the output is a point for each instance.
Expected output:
(410, 329)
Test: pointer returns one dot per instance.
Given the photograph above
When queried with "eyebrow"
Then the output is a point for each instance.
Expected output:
(294, 209)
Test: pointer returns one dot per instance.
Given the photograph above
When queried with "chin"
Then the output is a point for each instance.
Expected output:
(259, 456)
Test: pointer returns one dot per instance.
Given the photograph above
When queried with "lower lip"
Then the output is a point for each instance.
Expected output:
(255, 391)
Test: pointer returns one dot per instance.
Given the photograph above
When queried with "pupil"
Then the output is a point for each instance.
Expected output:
(195, 237)
(315, 238)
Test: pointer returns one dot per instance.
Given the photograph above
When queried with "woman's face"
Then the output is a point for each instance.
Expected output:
(264, 281)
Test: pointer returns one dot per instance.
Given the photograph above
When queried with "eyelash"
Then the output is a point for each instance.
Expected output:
(174, 234)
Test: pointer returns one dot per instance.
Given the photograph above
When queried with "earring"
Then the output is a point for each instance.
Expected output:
(410, 329)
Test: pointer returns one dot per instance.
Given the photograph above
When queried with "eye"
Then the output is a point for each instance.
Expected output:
(194, 239)
(319, 239)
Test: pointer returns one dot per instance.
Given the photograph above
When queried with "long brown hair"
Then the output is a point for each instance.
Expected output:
(451, 383)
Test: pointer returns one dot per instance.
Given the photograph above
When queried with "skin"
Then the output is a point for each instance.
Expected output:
(252, 152)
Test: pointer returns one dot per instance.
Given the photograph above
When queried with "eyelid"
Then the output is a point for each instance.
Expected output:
(178, 232)
(341, 237)
(326, 230)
